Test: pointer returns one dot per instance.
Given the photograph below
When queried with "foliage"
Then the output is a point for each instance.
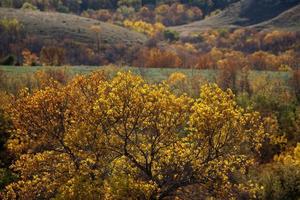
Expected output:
(29, 6)
(229, 66)
(52, 56)
(6, 176)
(295, 83)
(11, 25)
(11, 31)
(177, 14)
(5, 125)
(97, 31)
(165, 14)
(130, 3)
(176, 77)
(155, 57)
(8, 60)
(29, 59)
(281, 179)
(102, 14)
(187, 9)
(124, 138)
(144, 27)
(171, 35)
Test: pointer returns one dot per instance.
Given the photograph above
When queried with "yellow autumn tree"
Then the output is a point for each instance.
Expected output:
(54, 158)
(144, 27)
(122, 138)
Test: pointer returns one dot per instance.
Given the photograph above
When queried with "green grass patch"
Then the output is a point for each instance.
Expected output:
(14, 77)
(150, 74)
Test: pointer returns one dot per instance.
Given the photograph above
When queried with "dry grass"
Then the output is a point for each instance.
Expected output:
(58, 26)
(249, 13)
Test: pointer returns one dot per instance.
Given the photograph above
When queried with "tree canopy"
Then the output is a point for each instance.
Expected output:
(124, 138)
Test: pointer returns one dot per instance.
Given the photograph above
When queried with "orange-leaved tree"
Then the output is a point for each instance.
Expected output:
(122, 138)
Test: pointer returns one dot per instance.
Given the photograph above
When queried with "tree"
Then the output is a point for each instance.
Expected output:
(52, 56)
(124, 138)
(130, 3)
(229, 67)
(97, 31)
(28, 6)
(6, 176)
(171, 35)
(295, 83)
(11, 31)
(29, 59)
(144, 27)
(99, 4)
(50, 165)
(155, 57)
(262, 60)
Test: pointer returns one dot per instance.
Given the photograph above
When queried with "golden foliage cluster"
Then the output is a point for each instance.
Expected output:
(144, 27)
(122, 138)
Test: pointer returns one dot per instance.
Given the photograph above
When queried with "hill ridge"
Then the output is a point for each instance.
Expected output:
(247, 13)
(53, 25)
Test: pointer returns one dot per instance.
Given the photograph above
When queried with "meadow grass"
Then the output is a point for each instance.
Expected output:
(154, 74)
(151, 74)
(17, 77)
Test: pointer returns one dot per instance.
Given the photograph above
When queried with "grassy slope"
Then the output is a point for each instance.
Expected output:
(51, 25)
(289, 19)
(249, 13)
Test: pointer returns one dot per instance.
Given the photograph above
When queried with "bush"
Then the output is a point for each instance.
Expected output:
(171, 35)
(6, 177)
(295, 83)
(281, 180)
(52, 56)
(28, 6)
(8, 60)
(157, 58)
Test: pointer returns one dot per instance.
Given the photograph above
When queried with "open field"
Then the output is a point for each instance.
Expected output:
(16, 78)
(151, 74)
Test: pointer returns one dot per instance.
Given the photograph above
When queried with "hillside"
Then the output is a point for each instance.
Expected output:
(249, 13)
(52, 25)
(289, 19)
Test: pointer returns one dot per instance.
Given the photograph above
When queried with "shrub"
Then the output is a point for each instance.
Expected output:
(171, 35)
(29, 59)
(52, 56)
(281, 179)
(8, 60)
(28, 6)
(155, 57)
(144, 27)
(295, 83)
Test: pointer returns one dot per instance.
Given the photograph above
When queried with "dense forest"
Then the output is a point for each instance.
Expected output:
(126, 99)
